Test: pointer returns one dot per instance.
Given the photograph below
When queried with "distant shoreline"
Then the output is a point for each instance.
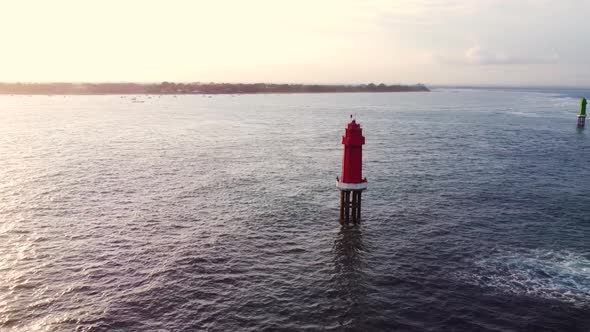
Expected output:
(193, 88)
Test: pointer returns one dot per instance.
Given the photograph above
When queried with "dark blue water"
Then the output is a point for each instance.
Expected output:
(192, 213)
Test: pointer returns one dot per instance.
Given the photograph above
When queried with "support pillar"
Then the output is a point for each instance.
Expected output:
(350, 206)
(342, 194)
(347, 207)
(581, 121)
(358, 209)
(353, 205)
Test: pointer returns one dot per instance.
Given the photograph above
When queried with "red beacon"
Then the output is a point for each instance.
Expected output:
(352, 183)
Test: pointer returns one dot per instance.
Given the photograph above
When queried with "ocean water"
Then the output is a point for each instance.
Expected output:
(197, 213)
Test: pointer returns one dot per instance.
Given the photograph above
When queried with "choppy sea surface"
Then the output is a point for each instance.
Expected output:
(198, 213)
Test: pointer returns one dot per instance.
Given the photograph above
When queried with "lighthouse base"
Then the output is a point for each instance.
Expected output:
(581, 121)
(350, 206)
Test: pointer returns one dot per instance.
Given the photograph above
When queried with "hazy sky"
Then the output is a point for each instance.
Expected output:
(533, 42)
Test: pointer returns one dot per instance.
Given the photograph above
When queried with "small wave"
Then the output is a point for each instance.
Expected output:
(525, 114)
(556, 275)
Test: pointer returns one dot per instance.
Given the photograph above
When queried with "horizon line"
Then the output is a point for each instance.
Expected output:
(432, 85)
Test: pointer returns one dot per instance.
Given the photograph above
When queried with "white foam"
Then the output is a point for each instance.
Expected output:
(559, 275)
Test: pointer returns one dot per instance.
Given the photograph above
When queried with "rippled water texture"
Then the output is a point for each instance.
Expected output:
(193, 213)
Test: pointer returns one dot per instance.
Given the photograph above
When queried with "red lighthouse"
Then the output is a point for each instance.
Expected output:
(352, 183)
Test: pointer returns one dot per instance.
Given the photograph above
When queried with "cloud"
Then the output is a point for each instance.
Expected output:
(479, 56)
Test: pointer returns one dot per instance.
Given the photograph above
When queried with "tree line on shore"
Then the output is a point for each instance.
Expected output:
(195, 88)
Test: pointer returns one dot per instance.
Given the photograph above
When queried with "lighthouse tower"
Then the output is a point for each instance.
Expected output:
(582, 115)
(351, 183)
